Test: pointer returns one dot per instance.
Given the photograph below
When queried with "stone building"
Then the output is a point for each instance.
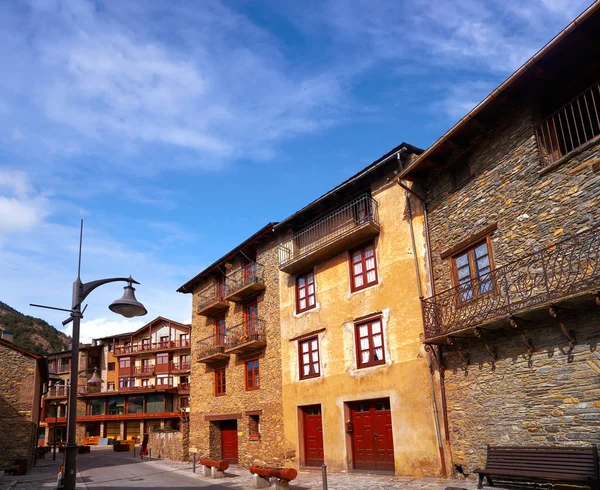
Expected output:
(356, 386)
(145, 384)
(236, 401)
(24, 377)
(512, 197)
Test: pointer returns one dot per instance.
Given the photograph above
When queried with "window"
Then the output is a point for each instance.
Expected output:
(96, 407)
(220, 288)
(251, 318)
(309, 358)
(363, 267)
(460, 173)
(111, 366)
(155, 403)
(184, 361)
(184, 340)
(184, 402)
(220, 386)
(116, 406)
(126, 382)
(162, 358)
(471, 271)
(135, 404)
(110, 386)
(254, 426)
(164, 381)
(145, 383)
(124, 363)
(369, 341)
(220, 330)
(305, 292)
(164, 341)
(249, 270)
(252, 375)
(110, 347)
(145, 344)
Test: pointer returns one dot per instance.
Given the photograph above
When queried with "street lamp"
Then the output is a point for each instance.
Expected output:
(128, 306)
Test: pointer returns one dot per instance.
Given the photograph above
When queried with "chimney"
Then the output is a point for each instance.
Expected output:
(6, 335)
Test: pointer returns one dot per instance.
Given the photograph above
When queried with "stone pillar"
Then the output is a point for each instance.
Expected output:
(205, 470)
(281, 484)
(260, 481)
(102, 429)
(162, 423)
(122, 430)
(215, 473)
(141, 431)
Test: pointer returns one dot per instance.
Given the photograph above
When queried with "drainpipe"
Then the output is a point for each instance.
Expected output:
(408, 190)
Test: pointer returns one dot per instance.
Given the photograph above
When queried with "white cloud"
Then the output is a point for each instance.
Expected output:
(21, 209)
(104, 327)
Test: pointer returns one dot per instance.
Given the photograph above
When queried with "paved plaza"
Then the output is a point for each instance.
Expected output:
(103, 469)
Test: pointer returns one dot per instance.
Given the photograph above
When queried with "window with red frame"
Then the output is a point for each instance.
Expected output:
(369, 343)
(252, 375)
(220, 386)
(308, 351)
(251, 317)
(124, 362)
(184, 339)
(305, 292)
(363, 267)
(145, 383)
(220, 288)
(220, 330)
(184, 402)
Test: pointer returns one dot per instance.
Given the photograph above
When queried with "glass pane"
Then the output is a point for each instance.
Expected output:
(363, 330)
(358, 268)
(464, 272)
(358, 281)
(369, 251)
(311, 301)
(302, 293)
(305, 358)
(301, 281)
(364, 356)
(315, 356)
(311, 289)
(371, 276)
(304, 346)
(462, 260)
(306, 369)
(377, 340)
(364, 344)
(376, 327)
(309, 278)
(370, 264)
(135, 404)
(378, 354)
(313, 344)
(483, 262)
(302, 304)
(356, 257)
(481, 250)
(316, 367)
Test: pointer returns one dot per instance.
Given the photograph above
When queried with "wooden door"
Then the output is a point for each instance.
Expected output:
(229, 441)
(313, 435)
(372, 439)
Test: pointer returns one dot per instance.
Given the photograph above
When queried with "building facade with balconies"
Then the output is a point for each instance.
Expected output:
(145, 384)
(355, 383)
(236, 403)
(512, 196)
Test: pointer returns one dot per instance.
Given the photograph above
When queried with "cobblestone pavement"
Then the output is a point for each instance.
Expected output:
(44, 476)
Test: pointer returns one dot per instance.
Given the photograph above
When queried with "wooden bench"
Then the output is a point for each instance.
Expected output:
(549, 464)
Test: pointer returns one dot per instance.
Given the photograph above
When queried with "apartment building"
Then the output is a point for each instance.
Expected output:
(145, 383)
(512, 196)
(236, 403)
(356, 387)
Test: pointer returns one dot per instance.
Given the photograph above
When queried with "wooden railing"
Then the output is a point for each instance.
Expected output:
(569, 267)
(150, 347)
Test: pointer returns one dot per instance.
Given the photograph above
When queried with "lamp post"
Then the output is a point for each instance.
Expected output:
(128, 306)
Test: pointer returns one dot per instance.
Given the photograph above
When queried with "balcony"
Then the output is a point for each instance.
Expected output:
(347, 226)
(137, 348)
(60, 390)
(211, 350)
(570, 127)
(566, 274)
(211, 300)
(143, 370)
(183, 388)
(246, 337)
(244, 282)
(180, 367)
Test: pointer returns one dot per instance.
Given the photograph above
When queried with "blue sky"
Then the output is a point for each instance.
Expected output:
(177, 129)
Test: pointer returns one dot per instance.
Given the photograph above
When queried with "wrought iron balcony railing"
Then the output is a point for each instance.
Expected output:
(212, 299)
(244, 281)
(212, 349)
(248, 335)
(358, 218)
(567, 268)
(570, 127)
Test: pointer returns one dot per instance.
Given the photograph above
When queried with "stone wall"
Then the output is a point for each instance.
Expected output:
(172, 445)
(18, 411)
(204, 434)
(552, 398)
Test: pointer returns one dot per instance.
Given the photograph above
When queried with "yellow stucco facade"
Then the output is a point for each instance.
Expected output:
(403, 380)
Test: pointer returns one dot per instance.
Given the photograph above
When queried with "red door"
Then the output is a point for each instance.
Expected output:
(313, 435)
(229, 441)
(372, 441)
(251, 318)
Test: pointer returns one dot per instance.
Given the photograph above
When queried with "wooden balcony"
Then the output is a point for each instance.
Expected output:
(244, 282)
(246, 337)
(565, 274)
(183, 388)
(59, 391)
(141, 348)
(143, 370)
(211, 350)
(211, 300)
(346, 227)
(180, 367)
